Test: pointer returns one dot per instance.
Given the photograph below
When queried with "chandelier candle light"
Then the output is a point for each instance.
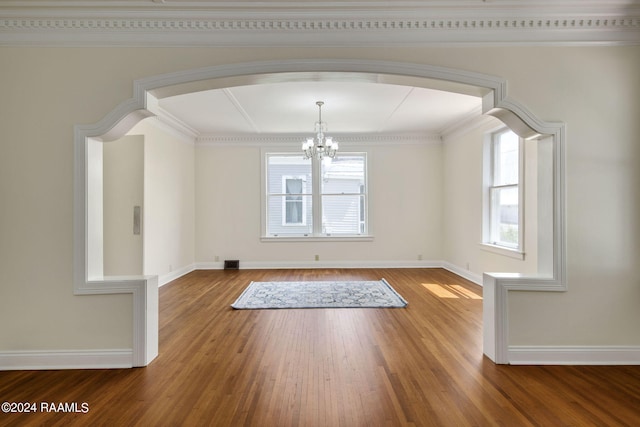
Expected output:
(321, 146)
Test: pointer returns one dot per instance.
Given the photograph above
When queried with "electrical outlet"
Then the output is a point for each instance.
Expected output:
(419, 257)
(217, 258)
(317, 257)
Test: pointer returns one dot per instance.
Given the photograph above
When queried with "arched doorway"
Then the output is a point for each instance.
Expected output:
(88, 274)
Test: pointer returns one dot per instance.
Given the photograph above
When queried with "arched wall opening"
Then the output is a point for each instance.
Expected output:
(89, 273)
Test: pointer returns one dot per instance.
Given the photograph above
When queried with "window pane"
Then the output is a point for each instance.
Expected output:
(506, 159)
(294, 166)
(294, 185)
(289, 201)
(289, 217)
(504, 216)
(344, 192)
(294, 203)
(341, 214)
(343, 174)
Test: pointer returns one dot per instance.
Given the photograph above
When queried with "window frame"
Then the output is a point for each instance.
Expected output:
(316, 200)
(490, 161)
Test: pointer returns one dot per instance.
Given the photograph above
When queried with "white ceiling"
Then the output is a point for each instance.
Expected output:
(290, 108)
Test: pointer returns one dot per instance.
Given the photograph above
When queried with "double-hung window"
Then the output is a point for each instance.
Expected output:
(315, 198)
(503, 192)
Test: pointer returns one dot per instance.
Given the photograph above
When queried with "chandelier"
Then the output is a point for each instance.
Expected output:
(320, 146)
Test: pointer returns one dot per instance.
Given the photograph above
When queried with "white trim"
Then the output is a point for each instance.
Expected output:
(144, 289)
(208, 23)
(173, 126)
(322, 238)
(574, 355)
(497, 286)
(259, 265)
(295, 140)
(169, 123)
(175, 274)
(473, 120)
(467, 274)
(65, 359)
(502, 250)
(252, 265)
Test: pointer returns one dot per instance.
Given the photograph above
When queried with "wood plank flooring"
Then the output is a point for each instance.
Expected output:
(417, 366)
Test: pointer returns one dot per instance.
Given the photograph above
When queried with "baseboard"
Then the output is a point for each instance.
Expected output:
(266, 265)
(473, 277)
(574, 355)
(175, 274)
(65, 359)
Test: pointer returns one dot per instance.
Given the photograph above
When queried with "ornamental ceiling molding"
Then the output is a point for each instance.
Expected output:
(571, 24)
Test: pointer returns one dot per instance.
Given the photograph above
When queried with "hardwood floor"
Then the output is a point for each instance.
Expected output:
(417, 366)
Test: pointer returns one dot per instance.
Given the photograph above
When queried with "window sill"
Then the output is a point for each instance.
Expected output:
(362, 238)
(502, 250)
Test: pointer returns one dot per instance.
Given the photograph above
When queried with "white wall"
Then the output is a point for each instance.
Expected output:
(168, 200)
(405, 187)
(123, 171)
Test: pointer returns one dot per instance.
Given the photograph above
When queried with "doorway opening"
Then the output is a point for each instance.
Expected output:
(90, 276)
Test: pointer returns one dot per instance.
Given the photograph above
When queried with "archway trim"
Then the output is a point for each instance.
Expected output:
(123, 117)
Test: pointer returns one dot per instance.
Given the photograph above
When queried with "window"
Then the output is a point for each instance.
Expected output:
(312, 198)
(503, 198)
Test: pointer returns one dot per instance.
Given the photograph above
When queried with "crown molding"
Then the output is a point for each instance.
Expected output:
(292, 5)
(260, 140)
(208, 23)
(471, 121)
(181, 129)
(170, 128)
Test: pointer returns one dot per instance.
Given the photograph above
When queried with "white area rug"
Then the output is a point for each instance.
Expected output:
(349, 294)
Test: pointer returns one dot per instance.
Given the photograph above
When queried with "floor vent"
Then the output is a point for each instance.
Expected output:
(231, 264)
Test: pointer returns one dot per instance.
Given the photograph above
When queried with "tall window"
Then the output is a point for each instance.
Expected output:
(311, 198)
(503, 219)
